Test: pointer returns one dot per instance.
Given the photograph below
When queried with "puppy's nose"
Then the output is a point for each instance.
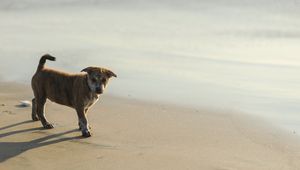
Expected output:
(99, 90)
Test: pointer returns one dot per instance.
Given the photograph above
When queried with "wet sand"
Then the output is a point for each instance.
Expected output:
(131, 134)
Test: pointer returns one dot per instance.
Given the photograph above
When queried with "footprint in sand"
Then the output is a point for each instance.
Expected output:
(8, 112)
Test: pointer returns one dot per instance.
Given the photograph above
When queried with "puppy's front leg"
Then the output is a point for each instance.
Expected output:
(83, 122)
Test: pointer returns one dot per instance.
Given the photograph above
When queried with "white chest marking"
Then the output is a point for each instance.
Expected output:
(92, 101)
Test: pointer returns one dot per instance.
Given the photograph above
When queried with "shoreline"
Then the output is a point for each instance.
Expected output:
(286, 123)
(134, 134)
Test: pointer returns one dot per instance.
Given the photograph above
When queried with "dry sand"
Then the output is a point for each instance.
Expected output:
(136, 135)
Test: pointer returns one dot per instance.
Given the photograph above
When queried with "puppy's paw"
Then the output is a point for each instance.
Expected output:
(80, 128)
(35, 118)
(86, 134)
(48, 126)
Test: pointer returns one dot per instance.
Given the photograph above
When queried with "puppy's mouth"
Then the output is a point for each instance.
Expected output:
(99, 91)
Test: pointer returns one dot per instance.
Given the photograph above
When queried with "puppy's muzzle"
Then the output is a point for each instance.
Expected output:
(99, 90)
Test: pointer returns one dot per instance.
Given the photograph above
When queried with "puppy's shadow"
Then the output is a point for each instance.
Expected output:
(11, 149)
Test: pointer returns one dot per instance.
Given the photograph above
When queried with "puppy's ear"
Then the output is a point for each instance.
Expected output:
(110, 74)
(88, 70)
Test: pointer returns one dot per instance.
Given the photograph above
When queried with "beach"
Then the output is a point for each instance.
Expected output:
(134, 134)
(210, 84)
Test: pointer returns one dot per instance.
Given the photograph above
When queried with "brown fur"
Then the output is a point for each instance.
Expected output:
(73, 90)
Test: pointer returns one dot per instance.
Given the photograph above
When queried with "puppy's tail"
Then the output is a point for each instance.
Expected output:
(43, 61)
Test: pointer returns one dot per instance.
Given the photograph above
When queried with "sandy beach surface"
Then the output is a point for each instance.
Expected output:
(228, 69)
(129, 134)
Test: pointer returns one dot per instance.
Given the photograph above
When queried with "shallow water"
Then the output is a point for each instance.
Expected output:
(239, 55)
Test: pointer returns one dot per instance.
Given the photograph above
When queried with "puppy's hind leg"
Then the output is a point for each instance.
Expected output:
(34, 111)
(40, 105)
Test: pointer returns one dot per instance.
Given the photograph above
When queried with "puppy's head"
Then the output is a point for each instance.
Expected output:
(98, 78)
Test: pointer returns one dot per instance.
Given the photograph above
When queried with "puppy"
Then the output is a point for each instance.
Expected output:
(79, 91)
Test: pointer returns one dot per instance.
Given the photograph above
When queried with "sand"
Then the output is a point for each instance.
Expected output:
(136, 135)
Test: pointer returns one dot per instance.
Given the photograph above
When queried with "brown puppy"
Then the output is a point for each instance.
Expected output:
(79, 91)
